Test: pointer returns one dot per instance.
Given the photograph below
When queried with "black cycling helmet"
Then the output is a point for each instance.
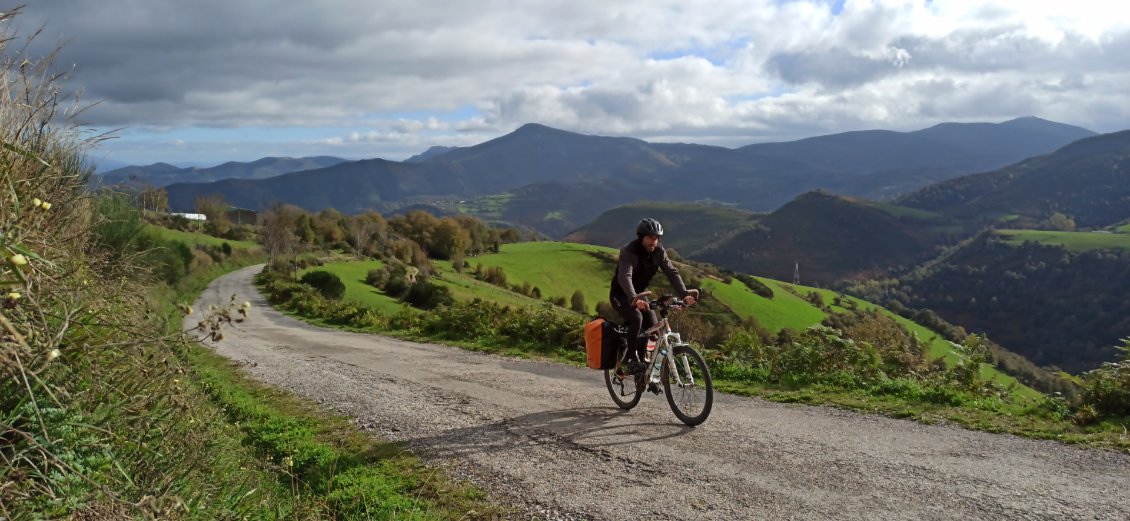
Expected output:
(649, 227)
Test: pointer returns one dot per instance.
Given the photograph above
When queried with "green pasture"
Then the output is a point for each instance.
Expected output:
(464, 286)
(556, 268)
(1074, 241)
(352, 273)
(489, 206)
(784, 311)
(194, 238)
(1125, 228)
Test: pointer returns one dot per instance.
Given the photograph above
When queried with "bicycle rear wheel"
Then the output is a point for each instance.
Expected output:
(625, 389)
(687, 384)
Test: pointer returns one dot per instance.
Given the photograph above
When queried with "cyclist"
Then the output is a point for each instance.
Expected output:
(639, 261)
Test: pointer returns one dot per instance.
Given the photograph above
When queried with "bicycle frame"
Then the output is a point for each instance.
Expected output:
(667, 341)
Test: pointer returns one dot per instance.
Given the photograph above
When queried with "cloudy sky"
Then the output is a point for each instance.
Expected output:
(213, 80)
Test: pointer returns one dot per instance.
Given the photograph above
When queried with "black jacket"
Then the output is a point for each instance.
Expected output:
(635, 270)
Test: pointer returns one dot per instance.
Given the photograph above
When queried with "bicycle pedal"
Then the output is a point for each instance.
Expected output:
(653, 388)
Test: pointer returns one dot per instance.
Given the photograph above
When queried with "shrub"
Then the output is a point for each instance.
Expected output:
(377, 278)
(755, 285)
(396, 286)
(1106, 390)
(428, 295)
(493, 275)
(328, 284)
(577, 302)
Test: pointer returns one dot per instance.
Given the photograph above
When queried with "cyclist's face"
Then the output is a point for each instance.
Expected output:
(650, 242)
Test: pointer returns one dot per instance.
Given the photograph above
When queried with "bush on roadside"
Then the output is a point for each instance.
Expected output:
(328, 284)
(426, 294)
(1106, 390)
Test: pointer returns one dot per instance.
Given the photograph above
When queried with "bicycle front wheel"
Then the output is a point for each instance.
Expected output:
(687, 384)
(625, 389)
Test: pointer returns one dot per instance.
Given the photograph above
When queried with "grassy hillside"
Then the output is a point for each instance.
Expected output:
(557, 268)
(192, 239)
(1074, 241)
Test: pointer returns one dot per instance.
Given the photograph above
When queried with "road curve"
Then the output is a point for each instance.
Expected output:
(546, 438)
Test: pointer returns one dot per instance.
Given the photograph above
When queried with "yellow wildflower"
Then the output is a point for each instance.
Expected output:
(18, 260)
(14, 295)
(55, 353)
(46, 205)
(36, 202)
(246, 304)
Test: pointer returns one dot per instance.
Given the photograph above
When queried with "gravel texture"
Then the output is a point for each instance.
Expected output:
(546, 439)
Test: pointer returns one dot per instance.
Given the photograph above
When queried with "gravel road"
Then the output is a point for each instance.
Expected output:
(546, 439)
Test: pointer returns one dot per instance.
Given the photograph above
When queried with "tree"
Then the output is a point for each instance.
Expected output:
(449, 240)
(577, 302)
(365, 229)
(329, 225)
(417, 226)
(278, 231)
(1061, 222)
(216, 210)
(153, 199)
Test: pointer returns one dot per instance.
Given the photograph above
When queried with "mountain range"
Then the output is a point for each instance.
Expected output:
(834, 237)
(556, 181)
(163, 174)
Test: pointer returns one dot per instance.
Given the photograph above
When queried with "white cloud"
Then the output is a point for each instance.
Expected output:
(730, 72)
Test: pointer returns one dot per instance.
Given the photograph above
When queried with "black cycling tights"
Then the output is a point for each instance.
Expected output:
(637, 321)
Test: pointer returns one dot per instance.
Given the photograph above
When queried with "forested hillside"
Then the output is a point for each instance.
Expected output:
(831, 237)
(1087, 181)
(1054, 306)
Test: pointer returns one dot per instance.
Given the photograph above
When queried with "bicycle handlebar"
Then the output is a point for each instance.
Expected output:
(670, 302)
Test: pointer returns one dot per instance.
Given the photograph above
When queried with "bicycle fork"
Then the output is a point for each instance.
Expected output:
(686, 369)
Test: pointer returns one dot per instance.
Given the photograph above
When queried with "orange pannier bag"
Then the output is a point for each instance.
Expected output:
(602, 338)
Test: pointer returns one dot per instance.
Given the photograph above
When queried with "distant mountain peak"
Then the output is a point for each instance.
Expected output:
(1026, 119)
(538, 130)
(1037, 123)
(430, 153)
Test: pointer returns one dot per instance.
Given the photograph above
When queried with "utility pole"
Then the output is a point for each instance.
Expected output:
(796, 274)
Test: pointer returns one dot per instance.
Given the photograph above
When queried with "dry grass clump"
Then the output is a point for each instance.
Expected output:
(78, 364)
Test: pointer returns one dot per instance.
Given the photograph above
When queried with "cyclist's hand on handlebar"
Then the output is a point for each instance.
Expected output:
(641, 304)
(689, 300)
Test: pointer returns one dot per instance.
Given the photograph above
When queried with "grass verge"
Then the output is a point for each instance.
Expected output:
(319, 465)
